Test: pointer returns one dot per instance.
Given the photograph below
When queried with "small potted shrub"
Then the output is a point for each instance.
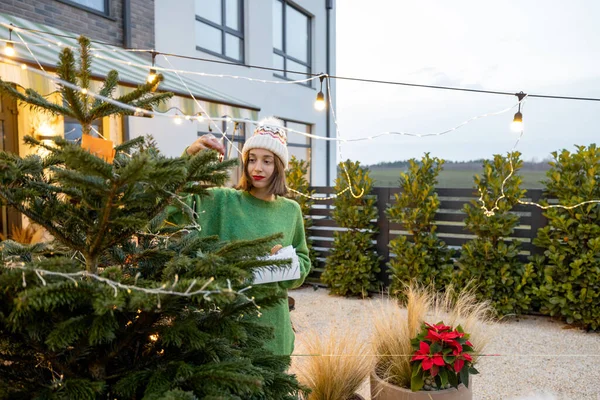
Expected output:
(415, 359)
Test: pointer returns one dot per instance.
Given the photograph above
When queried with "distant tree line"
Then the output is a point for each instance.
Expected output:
(470, 165)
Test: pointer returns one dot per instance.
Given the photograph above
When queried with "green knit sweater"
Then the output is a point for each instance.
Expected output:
(237, 215)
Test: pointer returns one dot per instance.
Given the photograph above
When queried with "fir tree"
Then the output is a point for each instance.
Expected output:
(104, 331)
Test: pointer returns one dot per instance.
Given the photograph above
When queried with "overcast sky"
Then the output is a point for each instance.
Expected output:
(542, 47)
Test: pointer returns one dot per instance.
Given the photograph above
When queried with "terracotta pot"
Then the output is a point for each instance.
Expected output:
(381, 390)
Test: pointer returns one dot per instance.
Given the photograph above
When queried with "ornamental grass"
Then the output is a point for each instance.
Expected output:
(334, 365)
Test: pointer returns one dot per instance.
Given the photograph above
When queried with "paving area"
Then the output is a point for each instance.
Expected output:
(538, 358)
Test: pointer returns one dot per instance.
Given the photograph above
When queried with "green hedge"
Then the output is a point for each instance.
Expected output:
(490, 261)
(571, 240)
(353, 263)
(423, 258)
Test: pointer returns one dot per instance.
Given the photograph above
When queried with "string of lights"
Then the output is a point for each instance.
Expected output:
(314, 75)
(517, 122)
(224, 136)
(165, 289)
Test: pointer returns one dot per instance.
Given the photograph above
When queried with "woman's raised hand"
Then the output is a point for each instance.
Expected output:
(208, 141)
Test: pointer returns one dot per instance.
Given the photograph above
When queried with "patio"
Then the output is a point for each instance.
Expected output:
(537, 355)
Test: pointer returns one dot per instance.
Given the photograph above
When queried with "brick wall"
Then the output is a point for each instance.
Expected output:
(80, 21)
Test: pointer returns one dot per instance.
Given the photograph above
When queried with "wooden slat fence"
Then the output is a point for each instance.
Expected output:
(449, 219)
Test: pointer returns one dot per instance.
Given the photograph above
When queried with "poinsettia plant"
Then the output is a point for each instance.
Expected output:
(442, 354)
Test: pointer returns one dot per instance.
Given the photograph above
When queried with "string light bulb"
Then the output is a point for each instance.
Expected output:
(178, 120)
(320, 101)
(200, 117)
(9, 47)
(152, 74)
(517, 123)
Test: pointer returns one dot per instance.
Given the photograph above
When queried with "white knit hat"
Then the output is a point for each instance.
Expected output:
(269, 135)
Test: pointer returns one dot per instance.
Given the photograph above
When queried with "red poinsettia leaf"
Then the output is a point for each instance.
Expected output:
(427, 364)
(434, 371)
(424, 348)
(457, 346)
(458, 364)
(469, 343)
(438, 360)
(467, 357)
(433, 336)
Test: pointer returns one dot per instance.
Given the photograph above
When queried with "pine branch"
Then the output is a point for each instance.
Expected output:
(85, 70)
(108, 88)
(106, 109)
(33, 99)
(38, 219)
(94, 248)
(67, 71)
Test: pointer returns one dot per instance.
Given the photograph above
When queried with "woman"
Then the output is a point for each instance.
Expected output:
(257, 208)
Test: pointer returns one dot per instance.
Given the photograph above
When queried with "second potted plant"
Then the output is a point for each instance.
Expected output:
(416, 359)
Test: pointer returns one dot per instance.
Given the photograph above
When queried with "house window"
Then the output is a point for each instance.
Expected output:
(73, 131)
(298, 144)
(291, 40)
(100, 6)
(219, 28)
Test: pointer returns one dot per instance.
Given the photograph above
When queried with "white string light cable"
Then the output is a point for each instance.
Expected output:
(204, 74)
(491, 212)
(177, 119)
(210, 119)
(30, 52)
(387, 133)
(312, 136)
(338, 135)
(139, 111)
(30, 44)
(224, 135)
(96, 53)
(163, 290)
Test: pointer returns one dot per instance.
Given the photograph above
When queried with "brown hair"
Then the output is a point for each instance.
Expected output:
(277, 185)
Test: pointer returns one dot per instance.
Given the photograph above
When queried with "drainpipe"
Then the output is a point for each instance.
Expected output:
(127, 24)
(328, 7)
(127, 45)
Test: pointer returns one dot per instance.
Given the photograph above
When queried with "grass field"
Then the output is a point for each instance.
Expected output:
(454, 179)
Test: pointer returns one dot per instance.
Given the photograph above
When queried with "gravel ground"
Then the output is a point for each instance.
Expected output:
(539, 358)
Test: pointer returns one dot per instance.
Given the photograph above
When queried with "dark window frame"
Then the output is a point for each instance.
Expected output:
(105, 14)
(282, 52)
(226, 30)
(301, 145)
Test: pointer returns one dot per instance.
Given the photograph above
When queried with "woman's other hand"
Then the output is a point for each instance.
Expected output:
(276, 248)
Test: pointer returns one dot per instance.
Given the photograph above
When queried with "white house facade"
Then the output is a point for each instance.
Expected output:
(282, 36)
